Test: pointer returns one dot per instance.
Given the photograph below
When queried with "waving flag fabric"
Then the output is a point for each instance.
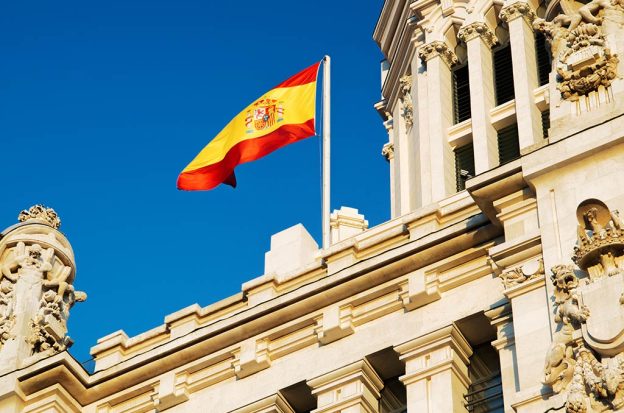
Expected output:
(281, 116)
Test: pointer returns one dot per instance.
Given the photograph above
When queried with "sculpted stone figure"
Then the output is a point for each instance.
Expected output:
(583, 61)
(569, 310)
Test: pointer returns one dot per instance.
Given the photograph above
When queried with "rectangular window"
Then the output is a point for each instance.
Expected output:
(503, 75)
(461, 94)
(508, 145)
(543, 58)
(464, 165)
(545, 122)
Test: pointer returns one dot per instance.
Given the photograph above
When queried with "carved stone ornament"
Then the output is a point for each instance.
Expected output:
(516, 10)
(583, 60)
(406, 99)
(41, 212)
(586, 358)
(435, 49)
(475, 30)
(519, 275)
(388, 151)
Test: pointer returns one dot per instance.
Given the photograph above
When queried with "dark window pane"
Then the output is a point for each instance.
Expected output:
(508, 145)
(461, 94)
(543, 58)
(464, 165)
(545, 122)
(503, 75)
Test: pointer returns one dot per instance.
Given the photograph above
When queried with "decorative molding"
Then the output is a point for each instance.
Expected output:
(521, 274)
(516, 10)
(478, 30)
(42, 213)
(387, 151)
(435, 49)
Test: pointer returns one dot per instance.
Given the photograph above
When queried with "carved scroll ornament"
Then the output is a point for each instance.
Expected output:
(435, 49)
(476, 30)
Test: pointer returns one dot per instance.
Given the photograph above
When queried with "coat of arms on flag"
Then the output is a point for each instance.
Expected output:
(265, 113)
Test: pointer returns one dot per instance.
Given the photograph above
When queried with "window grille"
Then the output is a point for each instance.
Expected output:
(545, 122)
(485, 395)
(543, 58)
(508, 145)
(464, 165)
(461, 94)
(503, 75)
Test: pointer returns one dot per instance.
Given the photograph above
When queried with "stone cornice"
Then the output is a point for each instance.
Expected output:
(477, 30)
(437, 49)
(516, 10)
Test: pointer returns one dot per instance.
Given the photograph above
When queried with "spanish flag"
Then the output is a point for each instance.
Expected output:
(281, 116)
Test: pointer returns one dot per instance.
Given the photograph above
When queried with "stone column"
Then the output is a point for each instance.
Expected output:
(501, 319)
(439, 59)
(436, 371)
(519, 17)
(479, 40)
(351, 389)
(36, 292)
(273, 404)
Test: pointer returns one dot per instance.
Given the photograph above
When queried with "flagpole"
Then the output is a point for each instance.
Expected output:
(326, 149)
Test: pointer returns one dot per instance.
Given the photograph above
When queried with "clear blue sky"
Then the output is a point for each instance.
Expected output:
(104, 103)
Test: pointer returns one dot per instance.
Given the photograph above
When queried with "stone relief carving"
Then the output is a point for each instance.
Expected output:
(435, 49)
(477, 29)
(519, 275)
(583, 60)
(516, 10)
(406, 99)
(586, 358)
(41, 212)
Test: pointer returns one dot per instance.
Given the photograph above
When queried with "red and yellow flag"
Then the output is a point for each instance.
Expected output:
(281, 116)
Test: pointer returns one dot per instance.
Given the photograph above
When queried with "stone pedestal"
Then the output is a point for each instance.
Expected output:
(436, 371)
(351, 389)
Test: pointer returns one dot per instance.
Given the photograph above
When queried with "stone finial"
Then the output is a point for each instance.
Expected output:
(387, 151)
(475, 30)
(41, 212)
(516, 10)
(435, 49)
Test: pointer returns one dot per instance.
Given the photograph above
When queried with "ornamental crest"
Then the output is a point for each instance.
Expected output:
(264, 114)
(586, 358)
(583, 60)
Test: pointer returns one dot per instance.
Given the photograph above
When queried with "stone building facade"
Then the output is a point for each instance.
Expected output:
(497, 286)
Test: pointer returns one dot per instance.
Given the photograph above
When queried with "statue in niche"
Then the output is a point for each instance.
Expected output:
(583, 61)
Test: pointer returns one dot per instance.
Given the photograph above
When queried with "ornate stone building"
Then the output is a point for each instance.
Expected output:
(497, 286)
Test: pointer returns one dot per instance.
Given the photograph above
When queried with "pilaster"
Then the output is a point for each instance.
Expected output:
(436, 371)
(479, 39)
(439, 59)
(519, 17)
(501, 319)
(351, 389)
